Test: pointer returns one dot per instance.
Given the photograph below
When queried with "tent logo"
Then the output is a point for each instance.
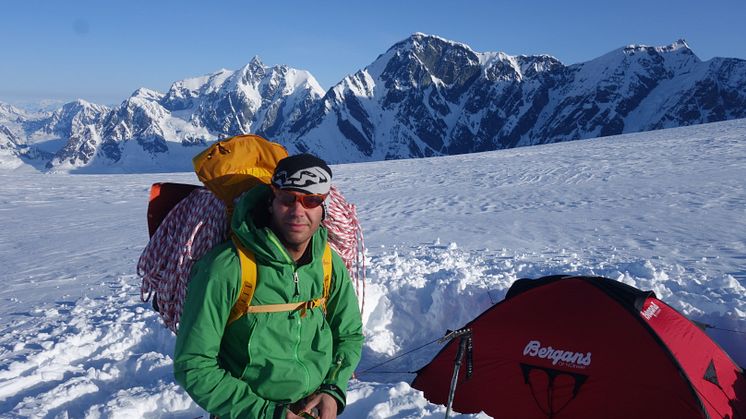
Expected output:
(652, 311)
(558, 356)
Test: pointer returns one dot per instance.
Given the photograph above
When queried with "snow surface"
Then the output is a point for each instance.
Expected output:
(662, 210)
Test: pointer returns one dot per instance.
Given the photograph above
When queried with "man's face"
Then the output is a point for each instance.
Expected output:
(293, 223)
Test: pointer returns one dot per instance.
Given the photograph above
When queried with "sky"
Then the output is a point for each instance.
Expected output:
(103, 51)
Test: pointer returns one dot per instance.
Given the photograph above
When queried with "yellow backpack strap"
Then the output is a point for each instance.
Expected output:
(248, 281)
(248, 284)
(326, 261)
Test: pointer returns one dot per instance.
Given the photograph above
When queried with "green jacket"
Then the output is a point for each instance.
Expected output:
(264, 361)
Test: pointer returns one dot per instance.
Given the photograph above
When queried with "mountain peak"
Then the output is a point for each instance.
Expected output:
(671, 56)
(419, 40)
(253, 71)
(255, 66)
(7, 109)
(681, 43)
(80, 105)
(256, 61)
(680, 46)
(146, 93)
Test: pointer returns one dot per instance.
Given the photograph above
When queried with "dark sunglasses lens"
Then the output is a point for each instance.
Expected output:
(311, 201)
(307, 201)
(285, 198)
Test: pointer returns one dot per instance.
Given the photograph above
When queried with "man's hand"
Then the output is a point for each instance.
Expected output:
(324, 403)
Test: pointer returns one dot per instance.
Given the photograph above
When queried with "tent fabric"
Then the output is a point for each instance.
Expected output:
(587, 347)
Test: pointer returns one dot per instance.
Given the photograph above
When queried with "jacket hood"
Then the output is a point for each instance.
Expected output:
(250, 223)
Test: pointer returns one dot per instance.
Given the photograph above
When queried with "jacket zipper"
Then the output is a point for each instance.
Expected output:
(282, 250)
(275, 241)
(297, 359)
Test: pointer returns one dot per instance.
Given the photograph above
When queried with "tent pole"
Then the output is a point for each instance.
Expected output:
(465, 340)
(454, 379)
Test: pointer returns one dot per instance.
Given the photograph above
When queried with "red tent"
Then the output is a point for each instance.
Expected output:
(587, 347)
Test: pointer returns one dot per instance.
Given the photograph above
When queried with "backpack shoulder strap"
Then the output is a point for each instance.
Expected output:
(326, 261)
(248, 285)
(248, 281)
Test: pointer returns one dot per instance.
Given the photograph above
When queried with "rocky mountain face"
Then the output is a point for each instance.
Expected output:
(254, 99)
(428, 96)
(152, 131)
(425, 96)
(14, 152)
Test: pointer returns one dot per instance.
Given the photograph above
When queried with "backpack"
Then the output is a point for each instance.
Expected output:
(186, 221)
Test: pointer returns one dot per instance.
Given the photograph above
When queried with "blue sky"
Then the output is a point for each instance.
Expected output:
(102, 51)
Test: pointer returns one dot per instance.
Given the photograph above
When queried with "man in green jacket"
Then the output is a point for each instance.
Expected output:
(274, 364)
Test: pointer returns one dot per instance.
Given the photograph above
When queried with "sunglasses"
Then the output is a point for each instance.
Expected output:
(288, 198)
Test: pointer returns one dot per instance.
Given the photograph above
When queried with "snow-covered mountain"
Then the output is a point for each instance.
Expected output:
(10, 113)
(9, 150)
(15, 152)
(255, 98)
(79, 122)
(11, 120)
(155, 131)
(425, 96)
(429, 96)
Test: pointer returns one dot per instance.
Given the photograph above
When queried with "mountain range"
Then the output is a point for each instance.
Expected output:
(425, 96)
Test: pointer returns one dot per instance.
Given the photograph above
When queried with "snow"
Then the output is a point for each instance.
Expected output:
(9, 160)
(489, 59)
(297, 79)
(417, 37)
(210, 82)
(662, 210)
(634, 60)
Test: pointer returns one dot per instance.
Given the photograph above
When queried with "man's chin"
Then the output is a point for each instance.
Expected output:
(296, 238)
